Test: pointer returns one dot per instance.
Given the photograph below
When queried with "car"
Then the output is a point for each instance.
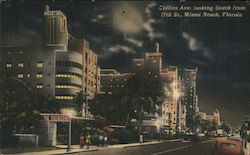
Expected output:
(192, 138)
(235, 138)
(227, 147)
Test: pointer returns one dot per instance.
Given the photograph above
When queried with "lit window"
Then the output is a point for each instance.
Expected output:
(154, 61)
(117, 86)
(20, 75)
(28, 75)
(39, 64)
(20, 64)
(9, 65)
(39, 75)
(149, 73)
(64, 97)
(39, 86)
(109, 93)
(122, 85)
(156, 76)
(138, 64)
(111, 86)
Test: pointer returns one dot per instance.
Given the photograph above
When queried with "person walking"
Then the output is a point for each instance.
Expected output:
(141, 138)
(88, 141)
(105, 140)
(82, 141)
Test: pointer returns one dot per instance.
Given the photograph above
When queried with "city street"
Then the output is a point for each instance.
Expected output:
(166, 148)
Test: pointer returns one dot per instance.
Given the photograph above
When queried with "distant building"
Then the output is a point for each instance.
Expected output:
(113, 82)
(215, 117)
(190, 94)
(171, 108)
(150, 65)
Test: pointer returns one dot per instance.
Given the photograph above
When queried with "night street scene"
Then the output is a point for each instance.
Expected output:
(124, 77)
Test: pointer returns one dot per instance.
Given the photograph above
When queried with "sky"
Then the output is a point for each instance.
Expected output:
(120, 31)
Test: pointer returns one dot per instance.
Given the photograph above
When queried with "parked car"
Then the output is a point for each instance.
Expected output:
(192, 138)
(235, 138)
(228, 147)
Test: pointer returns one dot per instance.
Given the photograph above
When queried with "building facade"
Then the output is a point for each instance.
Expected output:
(190, 94)
(113, 82)
(64, 66)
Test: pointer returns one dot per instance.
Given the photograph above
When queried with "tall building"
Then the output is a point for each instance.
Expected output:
(170, 80)
(150, 65)
(55, 29)
(90, 68)
(63, 68)
(190, 96)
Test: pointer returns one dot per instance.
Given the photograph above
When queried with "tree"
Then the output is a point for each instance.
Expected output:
(21, 107)
(226, 127)
(142, 94)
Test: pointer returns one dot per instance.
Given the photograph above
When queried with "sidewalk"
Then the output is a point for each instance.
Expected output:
(75, 148)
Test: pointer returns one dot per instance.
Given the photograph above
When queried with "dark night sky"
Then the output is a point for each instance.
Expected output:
(120, 31)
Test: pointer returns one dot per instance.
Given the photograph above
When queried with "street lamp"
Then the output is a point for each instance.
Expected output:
(69, 113)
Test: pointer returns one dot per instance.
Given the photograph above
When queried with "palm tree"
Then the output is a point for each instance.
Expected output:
(142, 94)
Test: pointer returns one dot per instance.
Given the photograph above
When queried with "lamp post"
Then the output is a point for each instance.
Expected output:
(84, 107)
(69, 113)
(69, 137)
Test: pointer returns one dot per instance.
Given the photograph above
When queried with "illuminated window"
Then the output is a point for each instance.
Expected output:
(156, 76)
(28, 75)
(40, 64)
(67, 87)
(111, 86)
(39, 75)
(20, 75)
(154, 61)
(149, 73)
(109, 93)
(9, 65)
(64, 97)
(20, 64)
(122, 85)
(39, 86)
(138, 64)
(117, 86)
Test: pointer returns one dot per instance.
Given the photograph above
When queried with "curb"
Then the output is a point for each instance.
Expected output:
(77, 152)
(143, 144)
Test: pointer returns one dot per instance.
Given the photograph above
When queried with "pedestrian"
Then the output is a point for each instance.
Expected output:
(141, 138)
(88, 141)
(100, 140)
(82, 141)
(105, 140)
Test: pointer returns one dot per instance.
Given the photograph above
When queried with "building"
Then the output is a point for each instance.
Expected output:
(215, 117)
(113, 82)
(61, 69)
(171, 106)
(150, 65)
(190, 94)
(35, 67)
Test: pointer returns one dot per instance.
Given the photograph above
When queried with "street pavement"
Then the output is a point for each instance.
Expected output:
(166, 148)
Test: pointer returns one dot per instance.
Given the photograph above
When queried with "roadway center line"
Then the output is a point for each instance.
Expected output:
(180, 148)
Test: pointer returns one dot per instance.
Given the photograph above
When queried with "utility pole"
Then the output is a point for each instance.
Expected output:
(84, 106)
(69, 138)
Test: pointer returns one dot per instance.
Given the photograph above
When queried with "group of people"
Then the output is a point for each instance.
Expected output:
(85, 140)
(103, 140)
